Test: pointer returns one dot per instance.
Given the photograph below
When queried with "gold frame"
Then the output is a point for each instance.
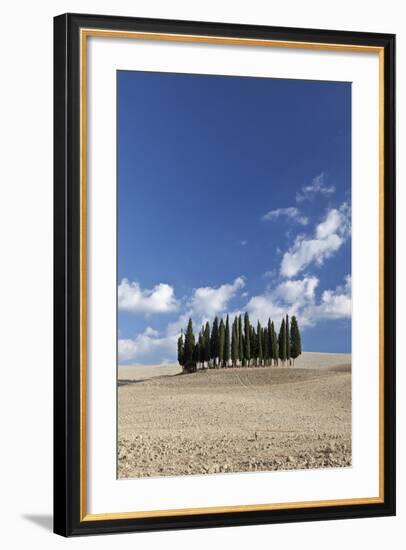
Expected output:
(84, 34)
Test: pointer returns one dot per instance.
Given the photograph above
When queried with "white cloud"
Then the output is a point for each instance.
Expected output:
(244, 242)
(291, 213)
(317, 186)
(209, 301)
(147, 346)
(334, 304)
(296, 291)
(298, 297)
(161, 299)
(328, 238)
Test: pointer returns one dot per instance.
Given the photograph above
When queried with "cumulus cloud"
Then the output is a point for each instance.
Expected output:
(328, 238)
(160, 299)
(298, 297)
(209, 301)
(317, 186)
(334, 304)
(291, 213)
(147, 346)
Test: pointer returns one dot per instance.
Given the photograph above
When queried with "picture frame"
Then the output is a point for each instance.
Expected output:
(72, 204)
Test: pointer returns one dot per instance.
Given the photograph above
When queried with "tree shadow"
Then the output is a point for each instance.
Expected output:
(130, 382)
(42, 520)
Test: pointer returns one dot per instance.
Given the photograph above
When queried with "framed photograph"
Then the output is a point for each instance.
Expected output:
(224, 274)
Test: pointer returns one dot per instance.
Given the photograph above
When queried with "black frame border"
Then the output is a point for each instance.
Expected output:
(67, 520)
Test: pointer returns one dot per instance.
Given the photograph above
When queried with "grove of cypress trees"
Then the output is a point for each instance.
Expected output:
(227, 343)
(249, 345)
(295, 339)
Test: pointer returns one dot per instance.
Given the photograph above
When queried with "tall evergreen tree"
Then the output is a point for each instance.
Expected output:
(295, 339)
(270, 341)
(275, 345)
(196, 353)
(189, 346)
(234, 344)
(282, 342)
(247, 344)
(253, 346)
(222, 334)
(227, 343)
(265, 346)
(214, 342)
(259, 351)
(206, 339)
(287, 328)
(181, 351)
(240, 341)
(201, 349)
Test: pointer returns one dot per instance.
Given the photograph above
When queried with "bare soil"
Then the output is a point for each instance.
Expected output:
(235, 420)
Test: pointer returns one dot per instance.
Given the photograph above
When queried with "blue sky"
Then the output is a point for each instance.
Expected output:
(233, 194)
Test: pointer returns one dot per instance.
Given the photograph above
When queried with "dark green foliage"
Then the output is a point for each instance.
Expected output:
(214, 342)
(206, 340)
(181, 351)
(222, 334)
(295, 339)
(287, 339)
(227, 343)
(234, 343)
(240, 341)
(275, 345)
(247, 339)
(260, 346)
(201, 348)
(282, 342)
(265, 345)
(189, 347)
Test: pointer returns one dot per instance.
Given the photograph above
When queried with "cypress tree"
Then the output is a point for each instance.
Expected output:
(201, 349)
(295, 339)
(259, 351)
(181, 351)
(270, 341)
(234, 343)
(214, 342)
(222, 334)
(282, 342)
(275, 346)
(253, 346)
(287, 328)
(265, 346)
(206, 339)
(189, 346)
(227, 343)
(240, 341)
(196, 353)
(247, 343)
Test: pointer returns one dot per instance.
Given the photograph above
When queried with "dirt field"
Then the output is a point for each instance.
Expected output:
(235, 420)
